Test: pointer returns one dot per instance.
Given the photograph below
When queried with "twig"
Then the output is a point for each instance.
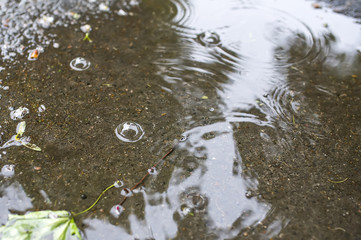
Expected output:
(155, 165)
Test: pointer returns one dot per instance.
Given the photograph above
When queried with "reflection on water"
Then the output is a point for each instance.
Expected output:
(258, 89)
(218, 182)
(13, 198)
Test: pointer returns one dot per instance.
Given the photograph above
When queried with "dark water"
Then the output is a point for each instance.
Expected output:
(267, 93)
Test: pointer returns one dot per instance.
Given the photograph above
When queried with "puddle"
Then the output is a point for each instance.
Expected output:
(262, 97)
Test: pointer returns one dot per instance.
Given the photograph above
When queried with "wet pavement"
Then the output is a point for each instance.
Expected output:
(268, 99)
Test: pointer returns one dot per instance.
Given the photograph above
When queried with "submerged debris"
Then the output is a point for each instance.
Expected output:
(103, 7)
(341, 181)
(18, 139)
(19, 113)
(33, 55)
(86, 28)
(316, 5)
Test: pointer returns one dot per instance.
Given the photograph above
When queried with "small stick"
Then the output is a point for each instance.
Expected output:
(155, 165)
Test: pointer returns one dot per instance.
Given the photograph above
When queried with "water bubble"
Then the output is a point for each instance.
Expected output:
(116, 210)
(152, 171)
(79, 64)
(8, 170)
(118, 184)
(248, 194)
(183, 138)
(126, 192)
(209, 39)
(129, 132)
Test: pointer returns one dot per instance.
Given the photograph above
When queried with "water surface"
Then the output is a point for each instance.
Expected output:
(266, 93)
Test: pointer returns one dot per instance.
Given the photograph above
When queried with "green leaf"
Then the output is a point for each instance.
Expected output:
(40, 225)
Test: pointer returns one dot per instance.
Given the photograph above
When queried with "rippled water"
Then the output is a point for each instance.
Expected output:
(265, 94)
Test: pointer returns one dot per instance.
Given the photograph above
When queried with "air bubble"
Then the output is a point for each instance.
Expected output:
(116, 210)
(209, 39)
(129, 132)
(152, 171)
(248, 194)
(118, 184)
(183, 139)
(126, 192)
(79, 64)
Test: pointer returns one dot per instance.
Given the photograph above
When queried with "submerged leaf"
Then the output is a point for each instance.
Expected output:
(41, 225)
(87, 38)
(25, 141)
(32, 146)
(20, 129)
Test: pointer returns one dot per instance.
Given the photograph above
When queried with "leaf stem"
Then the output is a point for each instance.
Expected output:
(86, 210)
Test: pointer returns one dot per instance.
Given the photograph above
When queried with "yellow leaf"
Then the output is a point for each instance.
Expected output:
(20, 129)
(32, 147)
